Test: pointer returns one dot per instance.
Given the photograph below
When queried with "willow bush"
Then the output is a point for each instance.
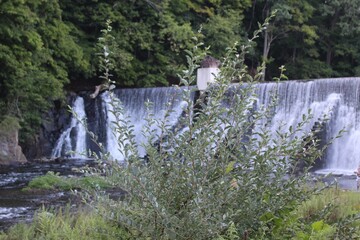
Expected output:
(220, 173)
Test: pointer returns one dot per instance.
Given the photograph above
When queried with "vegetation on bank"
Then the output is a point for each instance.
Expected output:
(9, 125)
(53, 181)
(65, 224)
(333, 214)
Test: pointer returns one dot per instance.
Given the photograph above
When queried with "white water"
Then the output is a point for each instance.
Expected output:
(75, 148)
(112, 136)
(338, 98)
(10, 213)
(133, 100)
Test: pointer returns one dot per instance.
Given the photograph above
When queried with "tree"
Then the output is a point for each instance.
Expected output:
(36, 54)
(290, 26)
(339, 35)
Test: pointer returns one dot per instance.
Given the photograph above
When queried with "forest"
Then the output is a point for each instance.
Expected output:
(49, 47)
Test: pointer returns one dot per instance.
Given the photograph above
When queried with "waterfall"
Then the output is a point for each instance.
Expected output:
(164, 100)
(100, 120)
(72, 142)
(112, 136)
(337, 98)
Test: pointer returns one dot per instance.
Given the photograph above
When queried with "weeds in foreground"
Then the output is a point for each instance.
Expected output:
(62, 224)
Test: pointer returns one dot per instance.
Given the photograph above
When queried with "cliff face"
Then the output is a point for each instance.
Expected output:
(53, 122)
(10, 151)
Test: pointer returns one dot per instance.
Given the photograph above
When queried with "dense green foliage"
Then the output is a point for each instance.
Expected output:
(46, 45)
(37, 55)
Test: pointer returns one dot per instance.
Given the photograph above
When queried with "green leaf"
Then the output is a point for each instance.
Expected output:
(318, 226)
(230, 167)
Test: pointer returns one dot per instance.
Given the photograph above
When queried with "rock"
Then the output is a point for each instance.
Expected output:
(10, 151)
(53, 122)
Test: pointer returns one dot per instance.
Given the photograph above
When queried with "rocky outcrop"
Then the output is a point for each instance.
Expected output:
(10, 151)
(53, 122)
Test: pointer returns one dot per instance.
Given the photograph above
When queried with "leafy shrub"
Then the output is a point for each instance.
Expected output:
(224, 174)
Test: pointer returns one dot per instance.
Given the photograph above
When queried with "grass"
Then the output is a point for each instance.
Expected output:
(333, 214)
(324, 216)
(331, 205)
(51, 225)
(52, 181)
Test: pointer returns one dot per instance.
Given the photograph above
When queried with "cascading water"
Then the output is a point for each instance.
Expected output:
(133, 101)
(338, 99)
(100, 119)
(67, 144)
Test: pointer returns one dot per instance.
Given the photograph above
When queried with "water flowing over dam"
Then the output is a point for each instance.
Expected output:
(338, 99)
(100, 119)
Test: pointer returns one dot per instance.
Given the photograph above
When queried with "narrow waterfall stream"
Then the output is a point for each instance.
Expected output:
(77, 144)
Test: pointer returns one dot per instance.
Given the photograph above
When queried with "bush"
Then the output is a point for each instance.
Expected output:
(224, 174)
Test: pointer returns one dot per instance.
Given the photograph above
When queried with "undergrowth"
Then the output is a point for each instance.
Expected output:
(63, 224)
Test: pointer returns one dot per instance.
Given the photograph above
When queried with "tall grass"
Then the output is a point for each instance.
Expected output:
(62, 224)
(331, 205)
